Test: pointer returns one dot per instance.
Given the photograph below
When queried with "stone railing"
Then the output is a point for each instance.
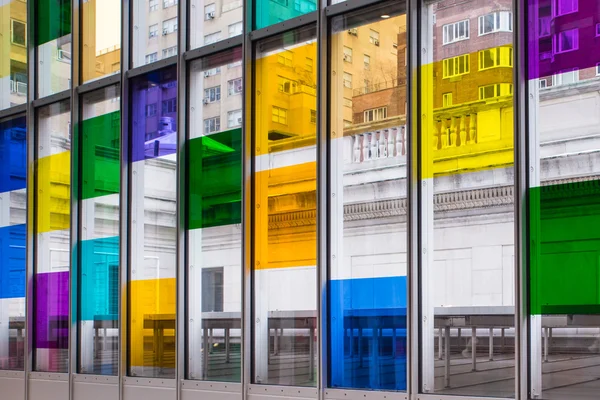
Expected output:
(383, 143)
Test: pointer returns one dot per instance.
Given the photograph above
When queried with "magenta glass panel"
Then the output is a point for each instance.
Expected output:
(52, 310)
(563, 36)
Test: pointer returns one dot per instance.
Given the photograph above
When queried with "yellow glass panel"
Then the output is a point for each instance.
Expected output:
(473, 133)
(53, 188)
(281, 194)
(153, 319)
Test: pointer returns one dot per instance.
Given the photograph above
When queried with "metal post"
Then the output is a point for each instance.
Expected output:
(414, 198)
(473, 349)
(447, 361)
(181, 199)
(491, 345)
(124, 255)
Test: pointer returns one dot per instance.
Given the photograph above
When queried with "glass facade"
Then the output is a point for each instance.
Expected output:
(278, 199)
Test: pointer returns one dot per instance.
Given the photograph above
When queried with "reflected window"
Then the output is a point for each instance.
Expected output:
(456, 31)
(500, 21)
(566, 41)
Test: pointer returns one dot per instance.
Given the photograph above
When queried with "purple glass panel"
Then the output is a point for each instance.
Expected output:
(52, 310)
(550, 31)
(154, 115)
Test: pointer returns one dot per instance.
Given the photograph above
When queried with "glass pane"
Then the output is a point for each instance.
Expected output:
(98, 274)
(13, 201)
(212, 21)
(285, 210)
(54, 47)
(154, 31)
(153, 221)
(564, 203)
(214, 220)
(269, 12)
(101, 38)
(467, 249)
(13, 53)
(368, 172)
(52, 240)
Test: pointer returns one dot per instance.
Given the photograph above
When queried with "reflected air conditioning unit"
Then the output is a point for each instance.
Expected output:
(205, 100)
(353, 31)
(165, 32)
(376, 42)
(210, 15)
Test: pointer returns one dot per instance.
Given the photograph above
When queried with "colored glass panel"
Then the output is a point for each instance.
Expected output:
(13, 53)
(53, 20)
(155, 36)
(101, 38)
(54, 47)
(564, 273)
(98, 246)
(152, 225)
(52, 244)
(212, 21)
(284, 206)
(215, 179)
(467, 217)
(13, 202)
(269, 12)
(214, 239)
(368, 136)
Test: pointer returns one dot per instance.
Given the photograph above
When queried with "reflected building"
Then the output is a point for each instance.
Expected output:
(13, 54)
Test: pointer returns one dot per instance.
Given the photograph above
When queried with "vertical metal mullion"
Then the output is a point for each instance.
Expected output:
(520, 199)
(323, 190)
(124, 197)
(247, 220)
(30, 216)
(180, 200)
(413, 197)
(74, 191)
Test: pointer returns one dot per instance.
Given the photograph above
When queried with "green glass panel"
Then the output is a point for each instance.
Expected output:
(215, 179)
(269, 12)
(565, 248)
(100, 166)
(53, 20)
